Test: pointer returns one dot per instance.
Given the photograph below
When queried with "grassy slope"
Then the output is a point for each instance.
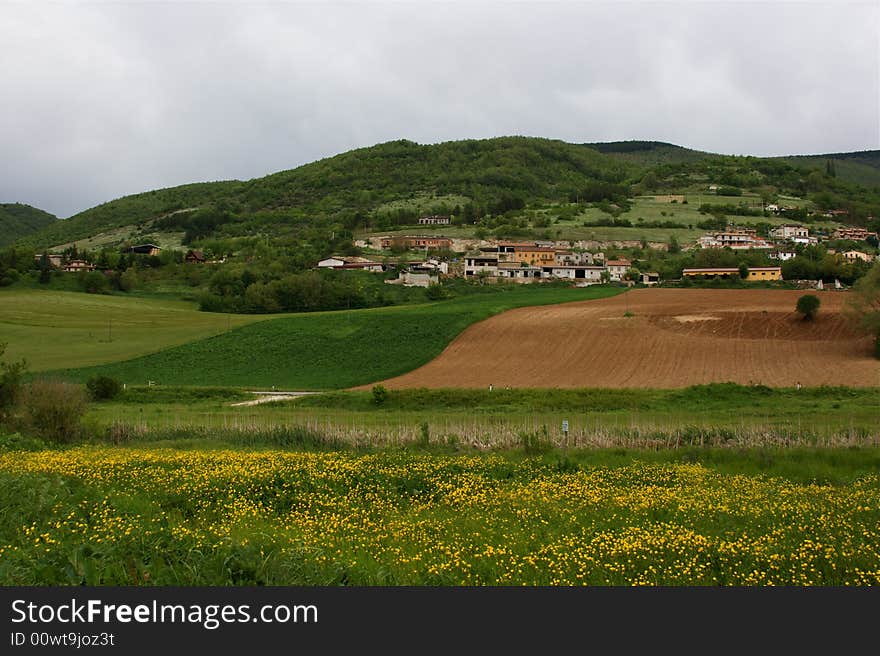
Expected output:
(55, 330)
(329, 350)
(18, 220)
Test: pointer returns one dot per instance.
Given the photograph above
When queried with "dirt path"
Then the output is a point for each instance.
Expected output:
(268, 397)
(675, 338)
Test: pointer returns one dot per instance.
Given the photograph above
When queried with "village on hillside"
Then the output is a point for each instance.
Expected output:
(580, 261)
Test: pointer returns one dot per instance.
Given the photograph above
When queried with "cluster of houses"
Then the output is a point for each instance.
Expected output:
(544, 260)
(782, 241)
(513, 261)
(524, 262)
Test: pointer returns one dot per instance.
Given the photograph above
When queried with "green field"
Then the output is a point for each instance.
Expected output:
(330, 350)
(177, 516)
(724, 414)
(58, 330)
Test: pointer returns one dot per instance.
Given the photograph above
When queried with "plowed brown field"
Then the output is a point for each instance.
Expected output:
(675, 338)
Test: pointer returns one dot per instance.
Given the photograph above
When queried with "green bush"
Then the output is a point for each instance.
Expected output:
(380, 394)
(52, 410)
(808, 305)
(18, 442)
(11, 374)
(102, 388)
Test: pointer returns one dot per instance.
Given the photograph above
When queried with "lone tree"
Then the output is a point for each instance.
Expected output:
(808, 305)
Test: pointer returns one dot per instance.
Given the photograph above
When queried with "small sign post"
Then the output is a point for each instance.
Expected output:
(565, 431)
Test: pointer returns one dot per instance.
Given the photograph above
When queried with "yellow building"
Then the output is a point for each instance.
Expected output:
(527, 254)
(764, 273)
(755, 273)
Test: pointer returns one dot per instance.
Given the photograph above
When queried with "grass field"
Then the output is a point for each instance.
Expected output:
(148, 516)
(330, 350)
(56, 330)
(724, 414)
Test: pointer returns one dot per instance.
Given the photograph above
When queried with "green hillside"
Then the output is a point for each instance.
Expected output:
(496, 173)
(648, 153)
(861, 167)
(18, 220)
(131, 210)
(383, 186)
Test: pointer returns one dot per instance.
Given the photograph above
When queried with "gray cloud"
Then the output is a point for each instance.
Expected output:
(103, 100)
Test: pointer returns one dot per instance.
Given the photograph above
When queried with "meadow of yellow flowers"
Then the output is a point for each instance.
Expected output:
(120, 516)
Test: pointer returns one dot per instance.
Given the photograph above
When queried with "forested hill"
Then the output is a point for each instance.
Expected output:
(18, 220)
(496, 173)
(648, 153)
(363, 187)
(860, 168)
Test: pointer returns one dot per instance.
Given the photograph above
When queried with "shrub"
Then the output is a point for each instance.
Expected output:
(435, 293)
(103, 387)
(17, 442)
(808, 305)
(52, 409)
(94, 282)
(10, 383)
(380, 394)
(536, 443)
(424, 434)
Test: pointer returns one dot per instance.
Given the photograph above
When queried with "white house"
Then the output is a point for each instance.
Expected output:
(617, 269)
(518, 272)
(782, 256)
(415, 279)
(485, 263)
(345, 262)
(434, 220)
(588, 274)
(789, 232)
(566, 257)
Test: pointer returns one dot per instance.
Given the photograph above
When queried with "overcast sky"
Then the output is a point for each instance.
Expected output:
(104, 99)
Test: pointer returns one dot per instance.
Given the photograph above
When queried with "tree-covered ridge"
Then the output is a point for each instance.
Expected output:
(495, 173)
(860, 168)
(647, 153)
(131, 210)
(329, 199)
(18, 220)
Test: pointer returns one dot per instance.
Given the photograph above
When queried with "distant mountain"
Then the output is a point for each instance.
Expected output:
(18, 220)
